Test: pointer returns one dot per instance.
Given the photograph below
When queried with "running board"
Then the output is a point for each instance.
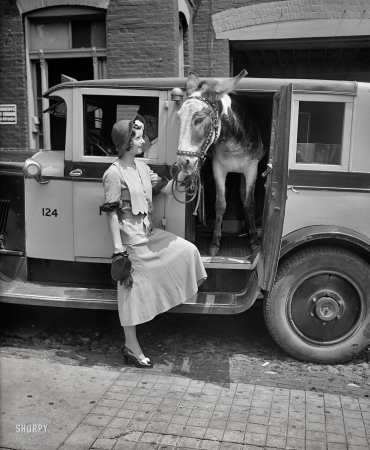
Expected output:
(210, 262)
(99, 298)
(62, 296)
(228, 262)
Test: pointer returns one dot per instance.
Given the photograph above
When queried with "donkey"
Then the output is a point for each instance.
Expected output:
(212, 121)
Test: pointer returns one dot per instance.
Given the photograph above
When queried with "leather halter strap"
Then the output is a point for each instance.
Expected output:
(214, 116)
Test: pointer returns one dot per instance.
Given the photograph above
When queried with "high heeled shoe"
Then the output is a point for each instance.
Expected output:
(138, 361)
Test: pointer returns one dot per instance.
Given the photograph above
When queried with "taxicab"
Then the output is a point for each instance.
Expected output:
(312, 268)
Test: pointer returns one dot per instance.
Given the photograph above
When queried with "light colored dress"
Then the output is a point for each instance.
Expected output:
(167, 268)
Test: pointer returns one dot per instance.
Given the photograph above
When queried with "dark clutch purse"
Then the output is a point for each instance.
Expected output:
(121, 269)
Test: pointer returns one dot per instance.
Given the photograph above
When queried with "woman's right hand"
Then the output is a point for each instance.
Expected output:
(181, 176)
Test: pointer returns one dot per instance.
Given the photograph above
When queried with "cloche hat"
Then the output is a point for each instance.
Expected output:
(122, 130)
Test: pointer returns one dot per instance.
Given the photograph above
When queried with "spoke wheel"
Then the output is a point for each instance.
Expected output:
(319, 307)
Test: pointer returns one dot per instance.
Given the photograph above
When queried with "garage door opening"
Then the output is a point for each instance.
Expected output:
(330, 59)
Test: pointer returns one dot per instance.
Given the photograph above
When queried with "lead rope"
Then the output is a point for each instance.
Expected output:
(190, 185)
(195, 213)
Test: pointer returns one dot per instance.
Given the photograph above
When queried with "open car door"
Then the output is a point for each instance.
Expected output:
(276, 188)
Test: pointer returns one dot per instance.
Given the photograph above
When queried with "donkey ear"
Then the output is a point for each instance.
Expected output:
(225, 86)
(192, 83)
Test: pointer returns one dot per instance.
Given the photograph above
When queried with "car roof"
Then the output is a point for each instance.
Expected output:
(247, 84)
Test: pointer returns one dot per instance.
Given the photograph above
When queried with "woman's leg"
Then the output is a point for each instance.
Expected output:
(132, 347)
(131, 340)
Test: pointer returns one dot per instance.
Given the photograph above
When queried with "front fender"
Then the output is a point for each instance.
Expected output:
(307, 235)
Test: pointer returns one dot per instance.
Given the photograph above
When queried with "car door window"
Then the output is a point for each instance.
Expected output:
(321, 132)
(101, 113)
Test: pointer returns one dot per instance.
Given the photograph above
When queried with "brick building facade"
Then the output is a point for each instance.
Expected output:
(13, 80)
(42, 39)
(142, 39)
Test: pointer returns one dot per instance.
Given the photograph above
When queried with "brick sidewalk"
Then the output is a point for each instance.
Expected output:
(144, 410)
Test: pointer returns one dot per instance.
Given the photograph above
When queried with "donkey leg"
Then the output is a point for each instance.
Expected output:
(220, 179)
(249, 204)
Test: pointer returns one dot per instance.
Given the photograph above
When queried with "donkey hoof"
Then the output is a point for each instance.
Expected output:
(213, 250)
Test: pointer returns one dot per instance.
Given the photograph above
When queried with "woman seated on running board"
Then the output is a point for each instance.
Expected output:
(167, 269)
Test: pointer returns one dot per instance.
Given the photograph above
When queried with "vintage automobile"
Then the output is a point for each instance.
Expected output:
(312, 194)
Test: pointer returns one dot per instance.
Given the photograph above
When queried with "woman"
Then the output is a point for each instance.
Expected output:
(167, 270)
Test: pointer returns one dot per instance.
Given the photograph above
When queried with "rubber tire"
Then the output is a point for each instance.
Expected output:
(275, 304)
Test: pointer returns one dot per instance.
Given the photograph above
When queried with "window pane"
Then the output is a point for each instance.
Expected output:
(81, 34)
(98, 33)
(126, 112)
(102, 112)
(50, 36)
(58, 124)
(181, 50)
(319, 135)
(95, 144)
(40, 116)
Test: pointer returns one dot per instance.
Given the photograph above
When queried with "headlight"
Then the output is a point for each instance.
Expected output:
(32, 169)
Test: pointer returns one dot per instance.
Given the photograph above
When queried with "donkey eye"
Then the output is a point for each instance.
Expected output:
(198, 120)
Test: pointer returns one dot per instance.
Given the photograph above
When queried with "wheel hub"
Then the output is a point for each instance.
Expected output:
(326, 309)
(326, 306)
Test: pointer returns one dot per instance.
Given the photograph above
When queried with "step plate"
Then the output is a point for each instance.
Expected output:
(64, 296)
(99, 298)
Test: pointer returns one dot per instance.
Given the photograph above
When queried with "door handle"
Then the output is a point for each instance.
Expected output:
(293, 189)
(75, 173)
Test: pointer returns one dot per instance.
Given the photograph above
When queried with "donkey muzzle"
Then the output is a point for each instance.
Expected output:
(187, 161)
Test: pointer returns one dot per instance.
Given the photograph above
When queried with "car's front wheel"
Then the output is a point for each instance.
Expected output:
(319, 307)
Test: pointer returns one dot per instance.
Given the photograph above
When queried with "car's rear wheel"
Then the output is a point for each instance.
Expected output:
(319, 307)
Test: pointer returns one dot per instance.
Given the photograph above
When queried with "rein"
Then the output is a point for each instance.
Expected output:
(192, 185)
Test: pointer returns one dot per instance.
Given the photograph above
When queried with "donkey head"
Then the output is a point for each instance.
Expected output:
(200, 118)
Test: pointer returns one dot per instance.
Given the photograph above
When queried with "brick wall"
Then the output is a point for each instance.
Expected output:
(211, 55)
(291, 10)
(13, 75)
(142, 38)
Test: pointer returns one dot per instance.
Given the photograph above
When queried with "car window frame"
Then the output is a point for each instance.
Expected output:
(78, 127)
(346, 132)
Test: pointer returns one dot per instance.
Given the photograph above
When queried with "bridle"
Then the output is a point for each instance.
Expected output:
(192, 186)
(214, 130)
